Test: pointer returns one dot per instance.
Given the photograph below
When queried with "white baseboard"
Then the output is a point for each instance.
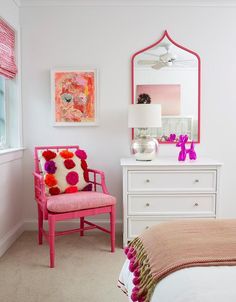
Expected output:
(32, 224)
(10, 237)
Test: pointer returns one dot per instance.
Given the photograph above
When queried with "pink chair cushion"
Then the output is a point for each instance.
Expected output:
(78, 201)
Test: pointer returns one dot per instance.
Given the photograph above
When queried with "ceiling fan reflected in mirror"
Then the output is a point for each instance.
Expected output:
(166, 59)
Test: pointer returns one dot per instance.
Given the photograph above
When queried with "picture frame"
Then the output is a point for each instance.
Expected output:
(74, 96)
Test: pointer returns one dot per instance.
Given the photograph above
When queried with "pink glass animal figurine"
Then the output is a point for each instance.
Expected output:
(181, 143)
(191, 152)
(183, 152)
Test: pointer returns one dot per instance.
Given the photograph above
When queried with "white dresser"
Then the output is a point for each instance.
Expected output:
(166, 189)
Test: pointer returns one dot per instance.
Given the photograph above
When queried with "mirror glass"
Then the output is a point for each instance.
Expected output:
(169, 74)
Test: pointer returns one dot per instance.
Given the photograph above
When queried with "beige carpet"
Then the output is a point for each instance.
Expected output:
(85, 270)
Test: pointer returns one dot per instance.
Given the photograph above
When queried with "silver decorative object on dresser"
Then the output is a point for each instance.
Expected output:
(144, 116)
(165, 189)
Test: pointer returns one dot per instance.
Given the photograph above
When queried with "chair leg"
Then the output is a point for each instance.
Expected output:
(81, 226)
(40, 226)
(112, 227)
(51, 224)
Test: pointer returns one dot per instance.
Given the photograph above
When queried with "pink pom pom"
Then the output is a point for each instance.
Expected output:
(132, 266)
(137, 273)
(135, 289)
(81, 154)
(136, 281)
(126, 250)
(141, 299)
(129, 255)
(134, 296)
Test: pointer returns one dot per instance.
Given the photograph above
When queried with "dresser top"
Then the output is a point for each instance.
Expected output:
(169, 161)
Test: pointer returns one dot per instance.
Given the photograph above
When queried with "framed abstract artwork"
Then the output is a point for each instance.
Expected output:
(74, 97)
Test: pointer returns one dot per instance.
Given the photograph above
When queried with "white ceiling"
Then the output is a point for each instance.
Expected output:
(125, 2)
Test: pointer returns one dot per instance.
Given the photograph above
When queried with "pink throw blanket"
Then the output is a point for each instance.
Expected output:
(167, 247)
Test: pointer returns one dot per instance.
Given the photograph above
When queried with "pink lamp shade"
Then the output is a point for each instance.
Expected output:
(144, 116)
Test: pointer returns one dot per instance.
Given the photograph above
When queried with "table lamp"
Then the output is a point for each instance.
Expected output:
(144, 116)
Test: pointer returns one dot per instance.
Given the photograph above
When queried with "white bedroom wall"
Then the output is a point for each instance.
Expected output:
(11, 199)
(105, 37)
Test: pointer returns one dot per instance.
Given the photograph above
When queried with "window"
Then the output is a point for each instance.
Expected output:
(9, 89)
(2, 113)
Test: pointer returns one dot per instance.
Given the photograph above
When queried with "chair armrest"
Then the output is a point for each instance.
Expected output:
(95, 182)
(39, 188)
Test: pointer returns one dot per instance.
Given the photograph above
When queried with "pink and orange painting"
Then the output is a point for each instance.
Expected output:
(74, 97)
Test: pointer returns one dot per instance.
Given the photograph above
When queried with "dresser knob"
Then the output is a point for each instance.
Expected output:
(196, 204)
(196, 180)
(147, 180)
(147, 227)
(147, 204)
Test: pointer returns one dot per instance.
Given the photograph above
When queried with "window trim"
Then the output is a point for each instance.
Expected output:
(4, 146)
(10, 154)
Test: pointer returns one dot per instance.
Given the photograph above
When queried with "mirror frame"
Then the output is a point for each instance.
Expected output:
(199, 79)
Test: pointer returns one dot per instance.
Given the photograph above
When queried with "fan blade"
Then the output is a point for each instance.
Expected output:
(147, 62)
(159, 65)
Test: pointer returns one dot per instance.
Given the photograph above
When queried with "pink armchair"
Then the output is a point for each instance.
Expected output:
(71, 205)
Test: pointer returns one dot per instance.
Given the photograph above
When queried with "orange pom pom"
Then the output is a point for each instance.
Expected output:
(66, 154)
(50, 180)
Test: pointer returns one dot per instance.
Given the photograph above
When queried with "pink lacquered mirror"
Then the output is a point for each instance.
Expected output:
(169, 74)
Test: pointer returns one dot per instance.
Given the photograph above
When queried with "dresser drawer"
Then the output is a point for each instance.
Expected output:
(203, 205)
(136, 226)
(172, 181)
